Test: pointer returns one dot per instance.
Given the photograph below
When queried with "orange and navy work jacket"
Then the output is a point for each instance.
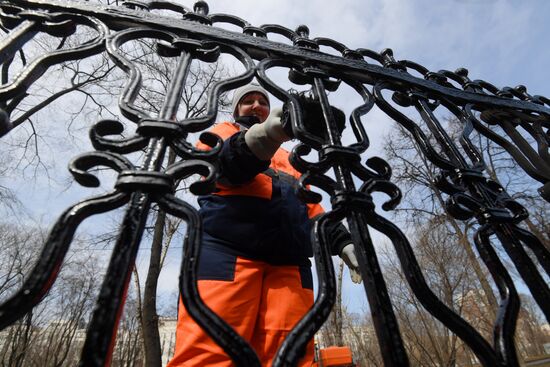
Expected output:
(255, 212)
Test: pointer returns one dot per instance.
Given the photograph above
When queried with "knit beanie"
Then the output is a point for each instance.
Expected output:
(242, 91)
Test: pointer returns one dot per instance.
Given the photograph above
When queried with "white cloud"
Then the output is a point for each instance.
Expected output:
(501, 41)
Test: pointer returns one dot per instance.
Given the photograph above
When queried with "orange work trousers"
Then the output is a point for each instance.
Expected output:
(262, 303)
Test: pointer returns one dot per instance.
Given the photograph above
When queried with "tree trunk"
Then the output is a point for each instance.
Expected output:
(149, 319)
(151, 338)
(545, 239)
(489, 295)
(337, 311)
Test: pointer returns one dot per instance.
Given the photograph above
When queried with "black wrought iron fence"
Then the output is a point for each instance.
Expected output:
(377, 77)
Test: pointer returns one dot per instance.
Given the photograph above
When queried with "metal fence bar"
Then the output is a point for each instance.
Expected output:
(470, 193)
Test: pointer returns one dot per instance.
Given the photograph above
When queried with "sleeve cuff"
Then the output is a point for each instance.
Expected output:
(237, 162)
(339, 237)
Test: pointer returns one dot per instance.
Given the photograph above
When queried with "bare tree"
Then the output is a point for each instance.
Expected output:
(157, 73)
(531, 337)
(503, 168)
(443, 247)
(51, 334)
(97, 83)
(19, 246)
(446, 270)
(35, 111)
(332, 330)
(128, 350)
(416, 175)
(69, 305)
(361, 337)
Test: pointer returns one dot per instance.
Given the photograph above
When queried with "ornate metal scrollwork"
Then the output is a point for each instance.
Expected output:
(339, 170)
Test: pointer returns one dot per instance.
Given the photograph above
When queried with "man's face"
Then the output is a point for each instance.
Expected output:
(254, 104)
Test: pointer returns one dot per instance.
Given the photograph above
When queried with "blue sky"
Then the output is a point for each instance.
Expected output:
(501, 41)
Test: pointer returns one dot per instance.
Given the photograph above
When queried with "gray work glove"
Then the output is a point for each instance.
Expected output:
(264, 139)
(348, 255)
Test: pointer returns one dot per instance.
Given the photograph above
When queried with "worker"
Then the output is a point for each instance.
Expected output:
(254, 269)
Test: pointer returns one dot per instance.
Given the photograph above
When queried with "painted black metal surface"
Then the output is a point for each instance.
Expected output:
(193, 35)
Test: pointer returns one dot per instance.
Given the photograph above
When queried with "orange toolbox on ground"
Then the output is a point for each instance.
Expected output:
(335, 356)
